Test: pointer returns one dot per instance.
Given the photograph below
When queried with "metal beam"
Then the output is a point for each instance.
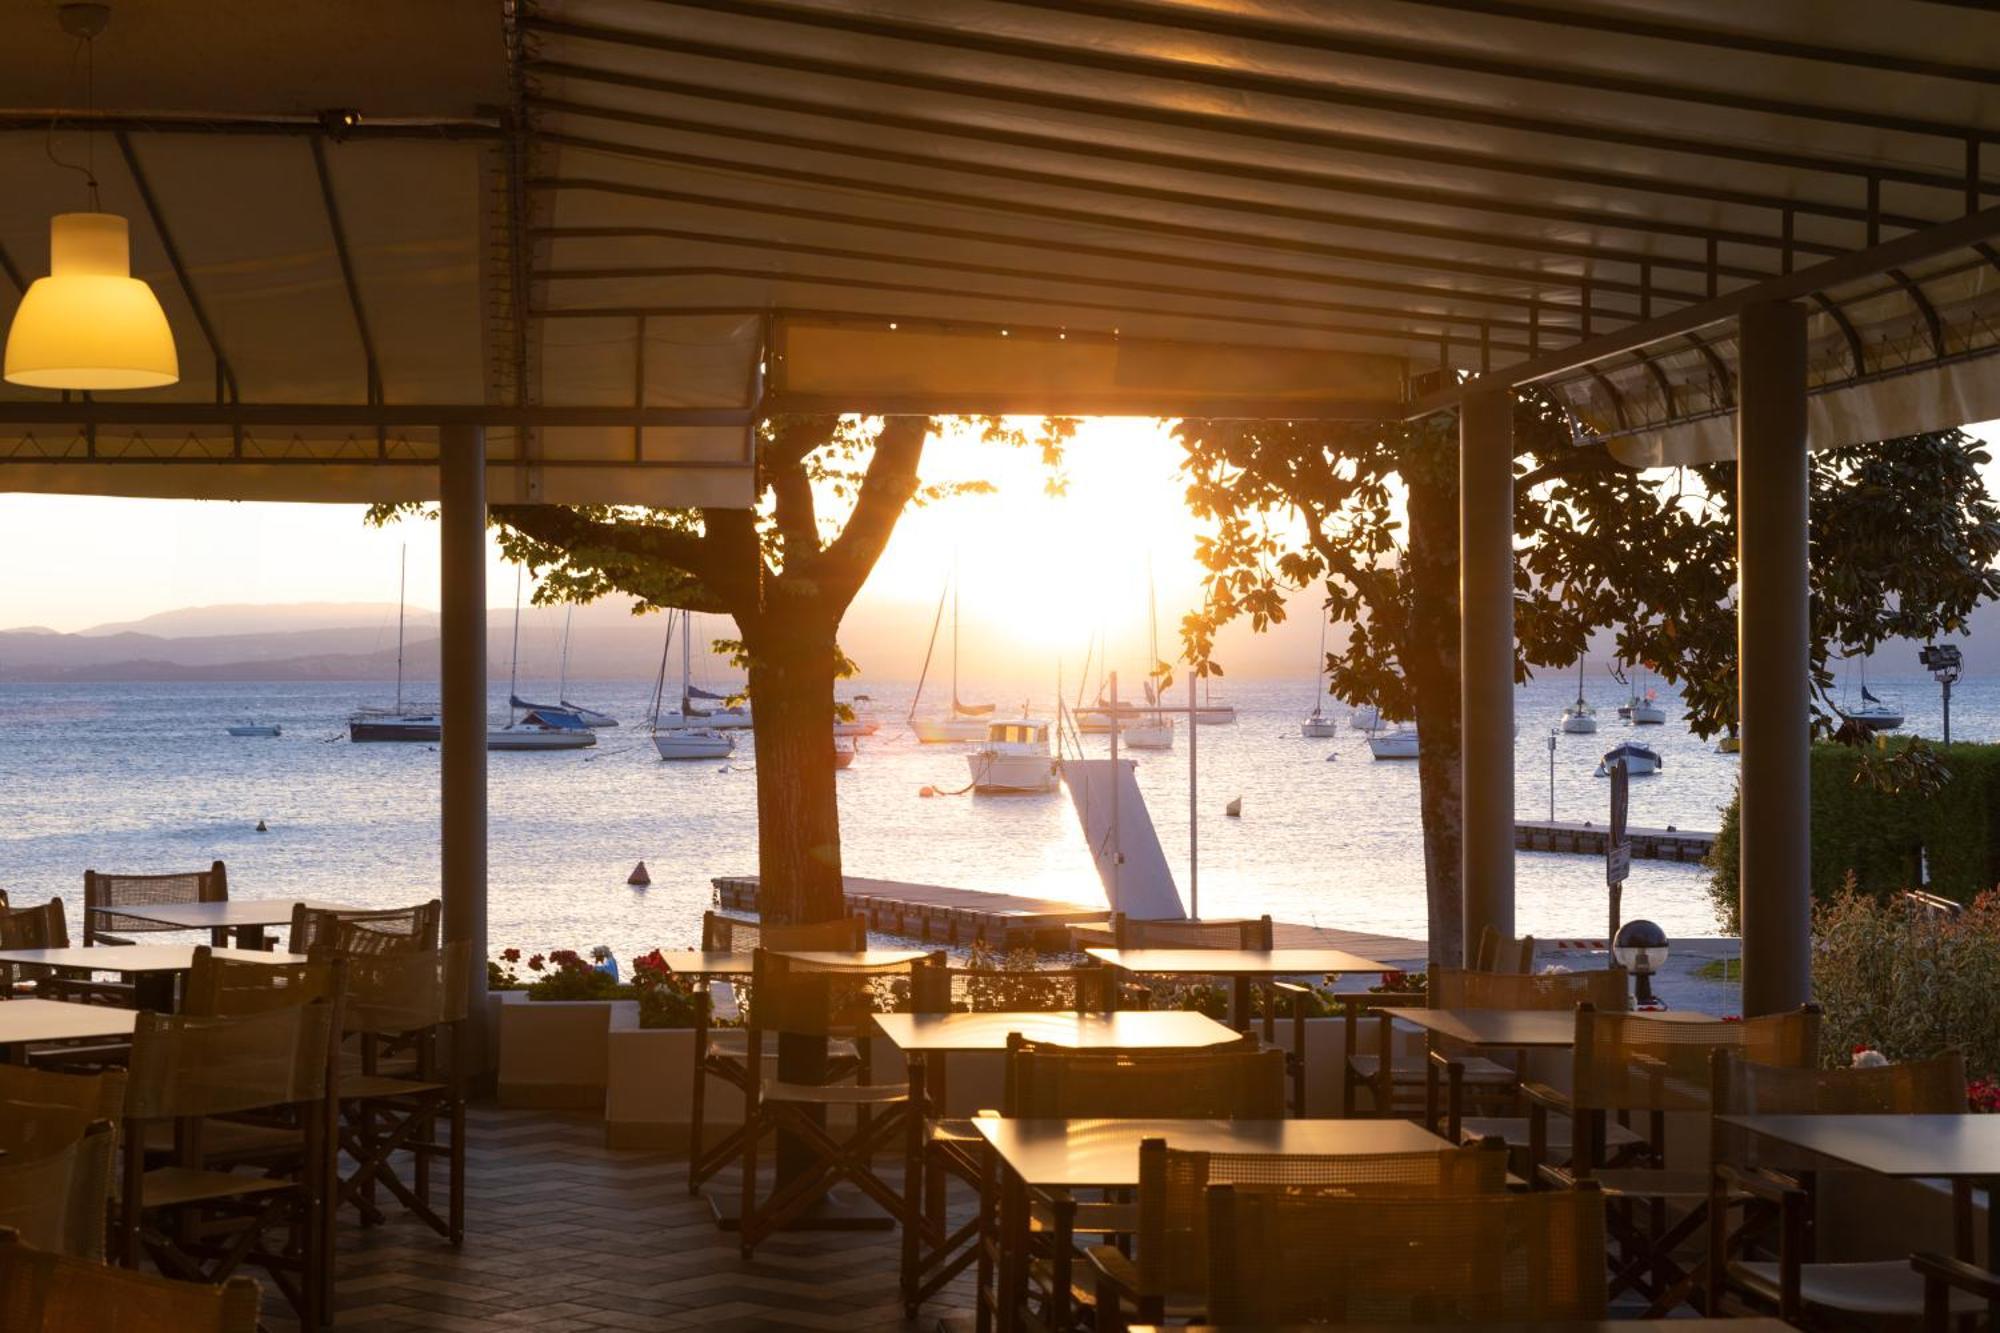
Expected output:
(1960, 233)
(1309, 37)
(1347, 96)
(174, 261)
(1127, 222)
(1101, 150)
(118, 122)
(1398, 151)
(1725, 383)
(1925, 310)
(371, 364)
(1856, 351)
(252, 416)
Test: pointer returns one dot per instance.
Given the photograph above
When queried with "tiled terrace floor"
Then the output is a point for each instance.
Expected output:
(564, 1233)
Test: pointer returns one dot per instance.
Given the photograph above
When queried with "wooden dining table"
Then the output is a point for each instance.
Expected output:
(26, 1022)
(246, 918)
(155, 969)
(1239, 966)
(1056, 1158)
(933, 1256)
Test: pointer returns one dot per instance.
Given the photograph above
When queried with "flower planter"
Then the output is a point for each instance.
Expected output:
(555, 1054)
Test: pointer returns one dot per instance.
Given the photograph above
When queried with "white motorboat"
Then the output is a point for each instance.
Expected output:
(1014, 758)
(400, 723)
(535, 726)
(963, 721)
(256, 729)
(1318, 726)
(1398, 744)
(843, 754)
(1639, 759)
(861, 720)
(677, 735)
(1365, 718)
(1579, 719)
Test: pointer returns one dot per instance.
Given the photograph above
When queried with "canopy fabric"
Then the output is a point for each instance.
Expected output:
(1162, 207)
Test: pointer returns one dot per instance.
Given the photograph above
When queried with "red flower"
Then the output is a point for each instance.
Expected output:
(1859, 1047)
(535, 963)
(510, 955)
(653, 963)
(1395, 980)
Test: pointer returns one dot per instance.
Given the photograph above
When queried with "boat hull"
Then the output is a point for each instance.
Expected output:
(692, 743)
(1318, 728)
(948, 730)
(256, 731)
(537, 738)
(1877, 721)
(1394, 745)
(992, 771)
(1365, 719)
(1215, 715)
(1579, 724)
(395, 729)
(856, 728)
(1639, 761)
(1648, 715)
(1147, 735)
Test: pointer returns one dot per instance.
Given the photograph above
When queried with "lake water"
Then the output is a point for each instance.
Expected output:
(144, 778)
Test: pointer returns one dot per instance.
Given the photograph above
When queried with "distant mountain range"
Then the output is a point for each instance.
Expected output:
(357, 641)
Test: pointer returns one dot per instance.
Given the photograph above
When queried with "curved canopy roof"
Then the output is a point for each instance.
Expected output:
(1220, 207)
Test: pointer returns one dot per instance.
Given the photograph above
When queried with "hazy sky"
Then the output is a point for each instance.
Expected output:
(1043, 570)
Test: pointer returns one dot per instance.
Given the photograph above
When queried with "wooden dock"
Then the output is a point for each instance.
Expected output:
(1648, 844)
(1007, 921)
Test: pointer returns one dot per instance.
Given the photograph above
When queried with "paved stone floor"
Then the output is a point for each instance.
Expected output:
(564, 1233)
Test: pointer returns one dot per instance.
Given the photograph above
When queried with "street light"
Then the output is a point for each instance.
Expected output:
(1641, 949)
(1945, 663)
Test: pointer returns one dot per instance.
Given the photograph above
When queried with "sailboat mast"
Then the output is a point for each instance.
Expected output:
(687, 659)
(402, 591)
(562, 672)
(929, 648)
(954, 638)
(514, 666)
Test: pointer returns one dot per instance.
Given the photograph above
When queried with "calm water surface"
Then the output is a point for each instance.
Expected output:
(144, 778)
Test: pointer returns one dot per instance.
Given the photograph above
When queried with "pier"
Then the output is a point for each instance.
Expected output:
(1007, 921)
(1648, 844)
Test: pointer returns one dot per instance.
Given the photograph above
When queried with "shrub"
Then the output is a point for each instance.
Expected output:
(666, 998)
(1906, 981)
(1886, 838)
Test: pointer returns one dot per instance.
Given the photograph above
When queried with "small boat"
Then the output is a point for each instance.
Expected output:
(861, 719)
(1579, 719)
(1100, 718)
(1639, 759)
(1151, 730)
(1015, 758)
(1208, 713)
(1365, 718)
(1874, 714)
(1318, 726)
(1148, 733)
(591, 717)
(542, 729)
(1398, 744)
(673, 736)
(1648, 712)
(256, 729)
(843, 754)
(964, 721)
(400, 723)
(1729, 745)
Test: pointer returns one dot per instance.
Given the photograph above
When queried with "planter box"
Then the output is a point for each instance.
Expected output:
(555, 1054)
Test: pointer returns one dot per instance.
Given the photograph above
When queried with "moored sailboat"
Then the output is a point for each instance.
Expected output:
(400, 723)
(674, 735)
(964, 721)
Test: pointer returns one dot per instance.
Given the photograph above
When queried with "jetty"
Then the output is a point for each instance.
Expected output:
(1006, 921)
(1584, 836)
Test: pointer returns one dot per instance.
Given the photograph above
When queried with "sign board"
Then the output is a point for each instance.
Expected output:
(1618, 848)
(1618, 863)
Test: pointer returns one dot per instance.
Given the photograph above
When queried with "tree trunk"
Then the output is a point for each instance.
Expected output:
(1430, 663)
(791, 669)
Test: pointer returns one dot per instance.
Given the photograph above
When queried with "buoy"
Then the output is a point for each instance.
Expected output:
(1234, 809)
(639, 876)
(261, 828)
(927, 791)
(1330, 758)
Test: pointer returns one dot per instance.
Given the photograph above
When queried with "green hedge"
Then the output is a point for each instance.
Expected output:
(1881, 837)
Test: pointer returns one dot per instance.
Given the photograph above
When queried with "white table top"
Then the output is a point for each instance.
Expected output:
(136, 957)
(1164, 1029)
(1515, 1027)
(223, 915)
(60, 1020)
(1087, 1154)
(1959, 1146)
(1238, 962)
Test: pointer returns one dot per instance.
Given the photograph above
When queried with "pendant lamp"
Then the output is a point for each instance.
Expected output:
(90, 324)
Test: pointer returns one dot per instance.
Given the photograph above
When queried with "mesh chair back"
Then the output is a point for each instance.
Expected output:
(41, 927)
(102, 890)
(726, 934)
(186, 1065)
(1744, 1087)
(1277, 1256)
(318, 931)
(1456, 988)
(1632, 1062)
(407, 992)
(1234, 1082)
(57, 1196)
(1220, 933)
(26, 1092)
(818, 999)
(1173, 1193)
(941, 989)
(218, 987)
(42, 1292)
(1503, 953)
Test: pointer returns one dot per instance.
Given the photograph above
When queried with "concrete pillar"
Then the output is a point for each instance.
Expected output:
(1773, 634)
(462, 767)
(1486, 656)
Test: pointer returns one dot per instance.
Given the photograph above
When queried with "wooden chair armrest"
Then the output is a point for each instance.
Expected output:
(1546, 1097)
(1940, 1275)
(1112, 1273)
(1768, 1186)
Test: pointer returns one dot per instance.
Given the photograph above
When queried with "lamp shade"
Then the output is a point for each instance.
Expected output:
(90, 324)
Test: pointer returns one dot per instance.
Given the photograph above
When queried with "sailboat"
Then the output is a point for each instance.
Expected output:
(674, 736)
(535, 727)
(399, 723)
(1645, 709)
(1210, 713)
(1318, 726)
(590, 717)
(1398, 743)
(724, 717)
(1579, 719)
(965, 722)
(1874, 714)
(1154, 730)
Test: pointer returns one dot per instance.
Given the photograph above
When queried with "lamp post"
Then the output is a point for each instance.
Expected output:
(1552, 775)
(1945, 663)
(1641, 949)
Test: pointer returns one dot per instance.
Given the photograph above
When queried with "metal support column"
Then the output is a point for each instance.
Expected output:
(1772, 657)
(462, 592)
(1486, 657)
